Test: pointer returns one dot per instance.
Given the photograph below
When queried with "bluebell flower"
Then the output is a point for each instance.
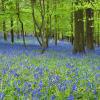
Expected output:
(53, 97)
(35, 83)
(62, 87)
(12, 72)
(53, 79)
(2, 96)
(71, 97)
(29, 84)
(40, 84)
(69, 66)
(97, 76)
(19, 82)
(98, 68)
(25, 94)
(94, 91)
(18, 89)
(16, 75)
(37, 68)
(25, 84)
(36, 76)
(74, 87)
(36, 92)
(4, 71)
(41, 72)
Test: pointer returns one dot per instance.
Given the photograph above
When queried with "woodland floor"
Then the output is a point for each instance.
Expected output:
(55, 75)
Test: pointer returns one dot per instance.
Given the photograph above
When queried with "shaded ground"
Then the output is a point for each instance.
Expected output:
(63, 48)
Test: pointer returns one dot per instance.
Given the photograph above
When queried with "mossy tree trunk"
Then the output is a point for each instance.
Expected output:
(79, 32)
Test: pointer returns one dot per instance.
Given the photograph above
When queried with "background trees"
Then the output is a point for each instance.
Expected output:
(76, 20)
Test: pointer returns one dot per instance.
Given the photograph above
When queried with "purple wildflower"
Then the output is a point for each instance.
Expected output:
(40, 84)
(74, 87)
(36, 76)
(53, 97)
(69, 66)
(71, 97)
(1, 96)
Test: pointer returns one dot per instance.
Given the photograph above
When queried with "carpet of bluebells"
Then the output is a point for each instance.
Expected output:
(26, 74)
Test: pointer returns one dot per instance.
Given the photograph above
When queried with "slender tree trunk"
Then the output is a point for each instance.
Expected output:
(21, 22)
(98, 37)
(4, 22)
(55, 34)
(41, 28)
(18, 34)
(47, 26)
(55, 17)
(89, 28)
(72, 28)
(22, 31)
(12, 31)
(50, 17)
(79, 32)
(4, 30)
(36, 26)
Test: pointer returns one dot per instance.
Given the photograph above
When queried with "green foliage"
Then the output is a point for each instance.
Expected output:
(60, 8)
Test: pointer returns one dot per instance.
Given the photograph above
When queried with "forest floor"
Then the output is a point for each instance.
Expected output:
(57, 74)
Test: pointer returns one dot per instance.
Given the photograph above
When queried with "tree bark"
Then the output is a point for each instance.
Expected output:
(4, 22)
(98, 37)
(79, 32)
(12, 31)
(89, 28)
(21, 22)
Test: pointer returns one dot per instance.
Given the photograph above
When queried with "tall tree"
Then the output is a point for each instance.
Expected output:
(55, 17)
(90, 26)
(21, 22)
(4, 22)
(79, 30)
(98, 27)
(12, 31)
(41, 37)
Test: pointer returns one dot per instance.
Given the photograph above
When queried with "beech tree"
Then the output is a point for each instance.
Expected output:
(90, 26)
(57, 19)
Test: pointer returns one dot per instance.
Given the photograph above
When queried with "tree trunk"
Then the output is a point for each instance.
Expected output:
(21, 22)
(79, 32)
(4, 22)
(89, 28)
(12, 31)
(47, 26)
(4, 30)
(98, 37)
(72, 26)
(18, 34)
(55, 34)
